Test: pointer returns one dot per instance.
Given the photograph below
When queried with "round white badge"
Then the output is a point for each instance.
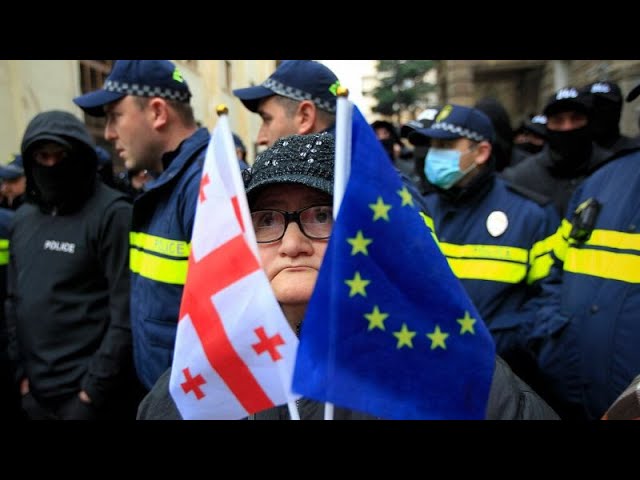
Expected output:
(497, 223)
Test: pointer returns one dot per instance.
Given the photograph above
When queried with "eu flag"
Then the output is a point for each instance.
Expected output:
(389, 329)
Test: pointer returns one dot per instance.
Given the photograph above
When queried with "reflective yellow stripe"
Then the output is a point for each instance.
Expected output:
(540, 268)
(599, 263)
(165, 246)
(428, 220)
(487, 262)
(493, 270)
(4, 251)
(540, 258)
(613, 239)
(561, 243)
(157, 268)
(498, 252)
(606, 264)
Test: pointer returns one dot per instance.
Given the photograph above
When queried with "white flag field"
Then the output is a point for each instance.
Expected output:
(235, 351)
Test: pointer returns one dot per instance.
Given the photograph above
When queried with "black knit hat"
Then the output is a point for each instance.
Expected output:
(303, 159)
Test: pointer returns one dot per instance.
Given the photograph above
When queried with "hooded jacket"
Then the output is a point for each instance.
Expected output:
(68, 281)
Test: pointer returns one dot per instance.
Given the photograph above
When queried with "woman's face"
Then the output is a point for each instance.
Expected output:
(292, 263)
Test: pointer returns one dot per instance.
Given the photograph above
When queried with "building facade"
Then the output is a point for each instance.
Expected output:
(28, 87)
(523, 86)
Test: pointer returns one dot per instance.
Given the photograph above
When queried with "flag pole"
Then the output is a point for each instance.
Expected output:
(343, 148)
(341, 170)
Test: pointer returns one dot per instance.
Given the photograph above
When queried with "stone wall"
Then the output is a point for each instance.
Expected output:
(523, 86)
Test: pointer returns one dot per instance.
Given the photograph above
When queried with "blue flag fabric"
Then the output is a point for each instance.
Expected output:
(389, 329)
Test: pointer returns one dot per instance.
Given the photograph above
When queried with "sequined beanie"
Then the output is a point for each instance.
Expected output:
(302, 159)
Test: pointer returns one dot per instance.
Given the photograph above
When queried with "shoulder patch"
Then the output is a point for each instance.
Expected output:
(539, 198)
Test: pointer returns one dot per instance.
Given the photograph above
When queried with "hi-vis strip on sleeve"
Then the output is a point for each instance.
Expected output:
(160, 259)
(4, 251)
(541, 259)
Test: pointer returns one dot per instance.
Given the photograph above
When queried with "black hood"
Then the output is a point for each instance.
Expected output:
(55, 125)
(65, 129)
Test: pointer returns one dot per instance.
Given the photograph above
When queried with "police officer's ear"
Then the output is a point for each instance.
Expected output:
(306, 117)
(483, 152)
(158, 109)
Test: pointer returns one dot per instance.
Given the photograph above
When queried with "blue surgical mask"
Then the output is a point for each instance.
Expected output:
(442, 167)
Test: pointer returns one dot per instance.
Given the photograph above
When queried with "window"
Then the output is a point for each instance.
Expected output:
(92, 76)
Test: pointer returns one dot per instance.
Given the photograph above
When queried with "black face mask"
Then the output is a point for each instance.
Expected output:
(529, 147)
(571, 149)
(605, 121)
(57, 184)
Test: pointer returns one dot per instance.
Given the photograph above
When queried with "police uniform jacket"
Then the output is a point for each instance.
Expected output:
(538, 173)
(586, 325)
(497, 242)
(160, 239)
(8, 393)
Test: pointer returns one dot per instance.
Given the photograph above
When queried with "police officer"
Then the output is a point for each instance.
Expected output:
(14, 183)
(420, 145)
(9, 397)
(585, 327)
(494, 235)
(67, 306)
(528, 138)
(151, 124)
(606, 109)
(569, 154)
(299, 98)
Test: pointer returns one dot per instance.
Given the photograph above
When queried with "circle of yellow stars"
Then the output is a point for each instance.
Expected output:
(358, 286)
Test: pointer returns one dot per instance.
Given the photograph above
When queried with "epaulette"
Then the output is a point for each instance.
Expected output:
(539, 198)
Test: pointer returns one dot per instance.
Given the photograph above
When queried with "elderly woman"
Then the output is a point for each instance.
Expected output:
(291, 207)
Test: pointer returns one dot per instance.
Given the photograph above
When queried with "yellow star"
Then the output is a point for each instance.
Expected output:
(359, 243)
(467, 323)
(404, 336)
(380, 210)
(376, 318)
(406, 197)
(437, 338)
(357, 285)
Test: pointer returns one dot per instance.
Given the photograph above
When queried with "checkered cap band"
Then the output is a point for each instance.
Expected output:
(145, 91)
(463, 132)
(297, 94)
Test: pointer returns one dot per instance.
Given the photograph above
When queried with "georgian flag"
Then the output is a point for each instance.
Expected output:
(235, 351)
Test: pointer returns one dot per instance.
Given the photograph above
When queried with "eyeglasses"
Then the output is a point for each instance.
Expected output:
(315, 222)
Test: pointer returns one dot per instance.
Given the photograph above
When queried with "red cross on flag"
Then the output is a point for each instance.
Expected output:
(235, 351)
